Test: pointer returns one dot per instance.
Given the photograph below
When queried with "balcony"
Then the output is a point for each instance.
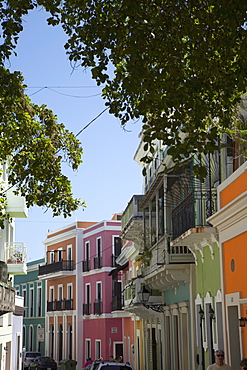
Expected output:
(86, 265)
(59, 266)
(117, 303)
(16, 205)
(7, 298)
(132, 220)
(86, 308)
(60, 305)
(98, 262)
(193, 211)
(98, 307)
(7, 292)
(16, 258)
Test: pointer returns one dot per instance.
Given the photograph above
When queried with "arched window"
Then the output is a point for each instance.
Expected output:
(51, 341)
(31, 338)
(60, 342)
(23, 336)
(70, 342)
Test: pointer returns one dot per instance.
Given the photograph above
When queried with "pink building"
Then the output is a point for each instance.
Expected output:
(100, 294)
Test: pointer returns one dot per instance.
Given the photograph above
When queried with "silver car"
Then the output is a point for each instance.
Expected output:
(28, 357)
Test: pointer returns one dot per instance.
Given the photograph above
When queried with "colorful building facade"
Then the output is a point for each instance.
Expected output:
(33, 292)
(102, 325)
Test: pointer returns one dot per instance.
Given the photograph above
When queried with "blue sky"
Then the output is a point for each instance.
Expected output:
(108, 176)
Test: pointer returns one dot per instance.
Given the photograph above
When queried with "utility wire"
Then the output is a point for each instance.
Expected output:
(91, 121)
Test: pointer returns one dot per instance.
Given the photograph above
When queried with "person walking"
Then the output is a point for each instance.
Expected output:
(243, 364)
(219, 362)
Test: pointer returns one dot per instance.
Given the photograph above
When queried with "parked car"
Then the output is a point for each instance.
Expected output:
(109, 365)
(28, 357)
(43, 362)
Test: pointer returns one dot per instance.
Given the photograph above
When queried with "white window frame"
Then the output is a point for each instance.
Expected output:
(69, 248)
(70, 287)
(60, 289)
(97, 342)
(88, 344)
(39, 295)
(86, 290)
(51, 289)
(31, 300)
(52, 256)
(96, 295)
(60, 254)
(97, 239)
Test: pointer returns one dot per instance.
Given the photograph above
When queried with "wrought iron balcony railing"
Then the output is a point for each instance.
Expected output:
(193, 211)
(133, 211)
(60, 305)
(86, 308)
(98, 262)
(7, 298)
(85, 265)
(117, 303)
(49, 268)
(98, 307)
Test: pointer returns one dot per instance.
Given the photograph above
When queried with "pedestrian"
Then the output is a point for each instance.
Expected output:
(219, 362)
(243, 364)
(88, 363)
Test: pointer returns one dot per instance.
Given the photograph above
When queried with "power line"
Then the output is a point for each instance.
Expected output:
(91, 121)
(62, 87)
(60, 93)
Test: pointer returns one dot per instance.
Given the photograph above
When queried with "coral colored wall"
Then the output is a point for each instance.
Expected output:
(234, 189)
(235, 281)
(101, 329)
(235, 250)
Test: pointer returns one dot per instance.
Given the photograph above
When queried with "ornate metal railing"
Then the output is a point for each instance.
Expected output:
(64, 265)
(193, 211)
(86, 265)
(98, 307)
(60, 305)
(98, 262)
(117, 303)
(86, 308)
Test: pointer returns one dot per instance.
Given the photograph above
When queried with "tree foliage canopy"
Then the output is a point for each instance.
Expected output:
(180, 66)
(34, 146)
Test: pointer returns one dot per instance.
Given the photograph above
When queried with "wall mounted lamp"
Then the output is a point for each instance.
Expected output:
(211, 313)
(144, 296)
(242, 322)
(201, 313)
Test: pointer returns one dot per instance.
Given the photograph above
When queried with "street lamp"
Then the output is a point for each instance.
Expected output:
(201, 354)
(144, 295)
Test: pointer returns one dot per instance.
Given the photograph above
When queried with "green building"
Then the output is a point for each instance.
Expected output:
(33, 290)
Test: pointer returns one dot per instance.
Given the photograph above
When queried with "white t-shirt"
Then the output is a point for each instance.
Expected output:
(217, 367)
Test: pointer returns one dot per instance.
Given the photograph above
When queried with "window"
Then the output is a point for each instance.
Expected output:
(60, 254)
(88, 348)
(117, 245)
(31, 338)
(97, 349)
(87, 298)
(69, 291)
(23, 336)
(69, 252)
(98, 291)
(39, 301)
(52, 294)
(24, 293)
(52, 257)
(60, 292)
(87, 251)
(31, 303)
(98, 247)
